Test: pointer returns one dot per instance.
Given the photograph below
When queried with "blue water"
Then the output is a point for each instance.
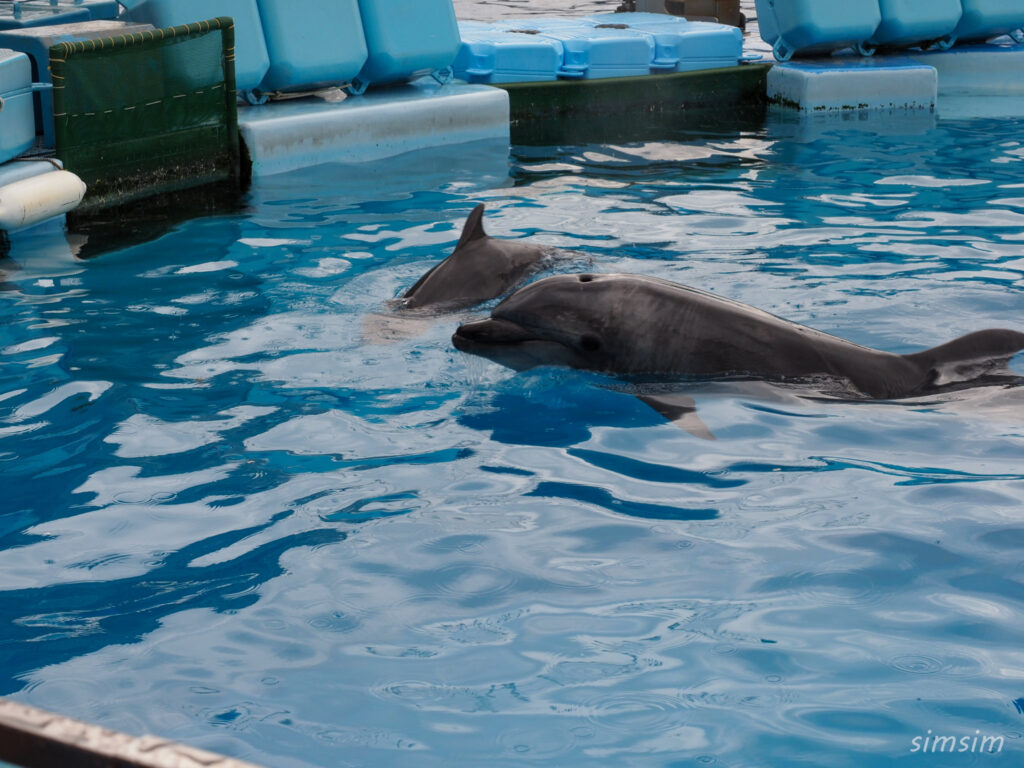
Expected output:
(233, 516)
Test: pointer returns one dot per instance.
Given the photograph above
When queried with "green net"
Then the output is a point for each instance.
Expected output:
(147, 113)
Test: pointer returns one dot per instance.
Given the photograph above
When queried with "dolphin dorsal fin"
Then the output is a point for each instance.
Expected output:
(473, 228)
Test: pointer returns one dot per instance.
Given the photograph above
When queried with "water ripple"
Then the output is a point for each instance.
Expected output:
(658, 473)
(603, 498)
(234, 518)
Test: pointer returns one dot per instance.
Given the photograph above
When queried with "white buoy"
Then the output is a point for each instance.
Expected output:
(30, 201)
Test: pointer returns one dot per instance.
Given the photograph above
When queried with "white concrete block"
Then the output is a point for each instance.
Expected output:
(284, 136)
(842, 84)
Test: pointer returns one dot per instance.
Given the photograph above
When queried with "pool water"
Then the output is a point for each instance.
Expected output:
(235, 515)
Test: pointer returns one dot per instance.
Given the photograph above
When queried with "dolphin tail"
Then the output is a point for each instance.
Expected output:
(681, 410)
(975, 353)
(473, 229)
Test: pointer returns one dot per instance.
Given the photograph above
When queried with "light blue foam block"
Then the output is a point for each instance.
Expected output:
(837, 85)
(284, 136)
(984, 69)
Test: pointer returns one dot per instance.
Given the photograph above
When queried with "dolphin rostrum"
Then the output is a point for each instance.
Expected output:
(644, 326)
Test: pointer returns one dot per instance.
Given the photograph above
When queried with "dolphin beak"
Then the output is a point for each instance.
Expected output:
(490, 332)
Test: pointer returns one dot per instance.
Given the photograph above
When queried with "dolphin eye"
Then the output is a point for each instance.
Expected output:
(590, 343)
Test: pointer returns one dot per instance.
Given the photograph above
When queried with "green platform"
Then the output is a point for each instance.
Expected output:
(637, 108)
(147, 113)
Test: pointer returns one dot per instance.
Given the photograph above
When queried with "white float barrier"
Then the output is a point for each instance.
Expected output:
(852, 84)
(385, 122)
(31, 201)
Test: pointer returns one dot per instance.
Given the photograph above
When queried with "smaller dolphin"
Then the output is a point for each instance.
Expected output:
(480, 268)
(643, 326)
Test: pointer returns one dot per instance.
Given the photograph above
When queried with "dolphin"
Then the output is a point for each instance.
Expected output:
(480, 268)
(646, 327)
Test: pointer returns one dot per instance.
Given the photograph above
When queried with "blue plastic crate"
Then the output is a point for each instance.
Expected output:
(590, 51)
(983, 19)
(795, 27)
(492, 55)
(17, 117)
(251, 58)
(406, 39)
(681, 45)
(911, 22)
(311, 43)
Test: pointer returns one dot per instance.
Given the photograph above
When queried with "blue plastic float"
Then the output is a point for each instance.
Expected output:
(681, 45)
(816, 26)
(311, 43)
(493, 55)
(599, 46)
(251, 58)
(908, 23)
(590, 51)
(984, 19)
(406, 39)
(17, 117)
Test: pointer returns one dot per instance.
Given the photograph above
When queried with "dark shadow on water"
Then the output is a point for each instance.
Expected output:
(616, 128)
(652, 473)
(7, 267)
(601, 497)
(638, 108)
(552, 411)
(117, 227)
(77, 619)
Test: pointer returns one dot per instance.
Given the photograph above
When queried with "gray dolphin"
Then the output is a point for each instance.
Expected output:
(480, 268)
(628, 324)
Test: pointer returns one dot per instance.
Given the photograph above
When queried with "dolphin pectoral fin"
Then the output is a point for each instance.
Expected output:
(681, 410)
(473, 229)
